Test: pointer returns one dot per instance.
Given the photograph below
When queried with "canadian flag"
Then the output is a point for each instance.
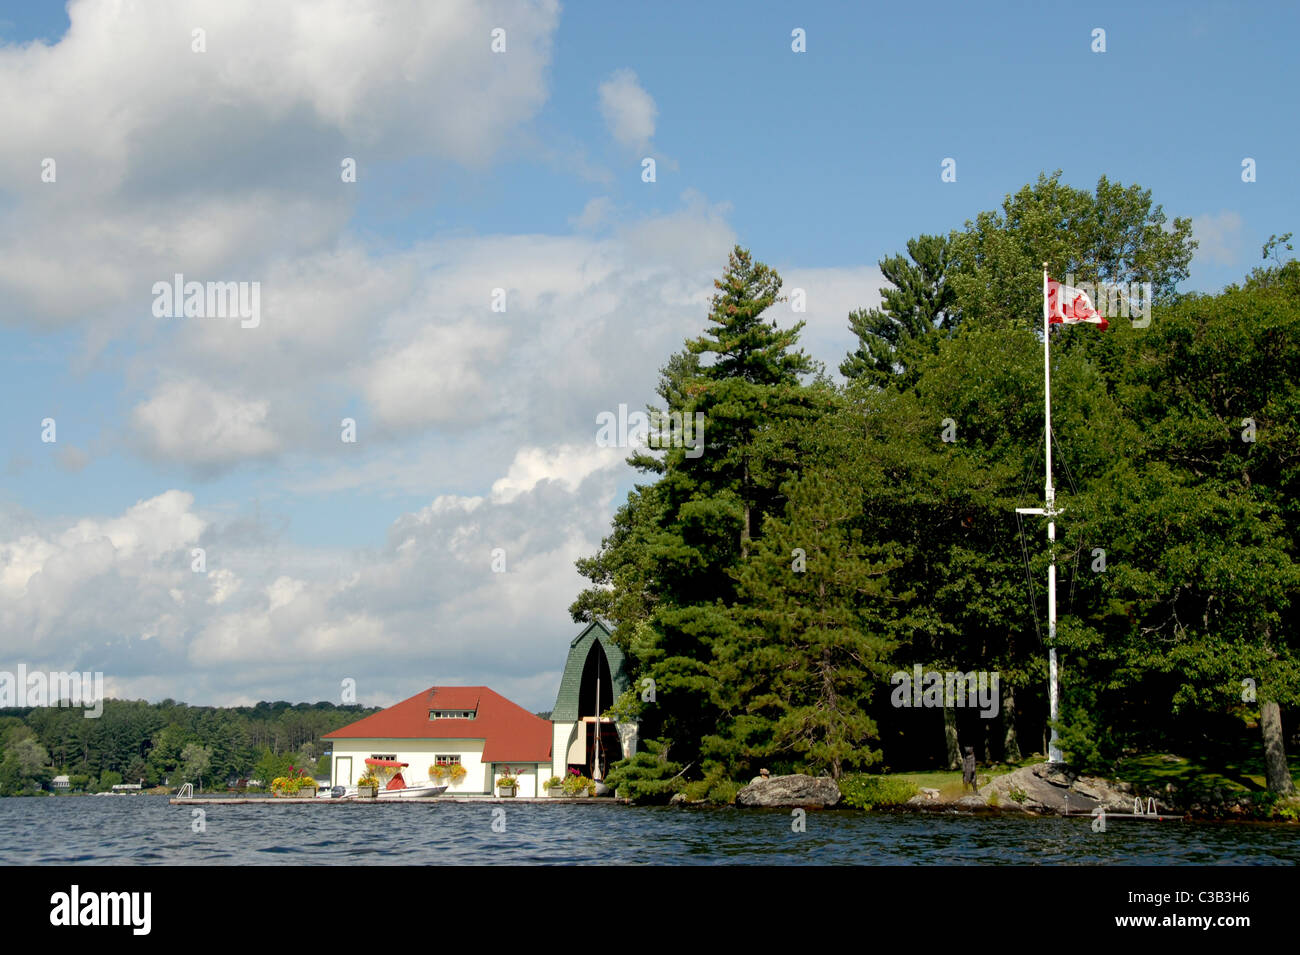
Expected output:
(1069, 306)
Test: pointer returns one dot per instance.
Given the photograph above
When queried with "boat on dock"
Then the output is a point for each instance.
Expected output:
(395, 788)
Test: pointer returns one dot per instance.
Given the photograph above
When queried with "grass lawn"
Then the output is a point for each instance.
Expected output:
(948, 782)
(1155, 771)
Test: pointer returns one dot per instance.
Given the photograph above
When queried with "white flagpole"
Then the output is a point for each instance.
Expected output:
(1049, 511)
(1053, 750)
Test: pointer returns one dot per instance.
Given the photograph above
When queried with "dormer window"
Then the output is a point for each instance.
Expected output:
(451, 714)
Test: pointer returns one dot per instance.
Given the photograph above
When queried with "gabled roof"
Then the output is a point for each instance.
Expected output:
(509, 732)
(566, 701)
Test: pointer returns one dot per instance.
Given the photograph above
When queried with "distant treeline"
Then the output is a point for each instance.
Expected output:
(155, 742)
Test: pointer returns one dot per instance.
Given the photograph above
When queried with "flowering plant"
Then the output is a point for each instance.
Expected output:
(457, 772)
(576, 783)
(295, 781)
(508, 779)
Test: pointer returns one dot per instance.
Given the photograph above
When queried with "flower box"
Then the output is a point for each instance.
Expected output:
(307, 792)
(555, 791)
(367, 792)
(506, 791)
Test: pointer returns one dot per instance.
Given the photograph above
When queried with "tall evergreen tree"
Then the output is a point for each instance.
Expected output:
(917, 304)
(812, 629)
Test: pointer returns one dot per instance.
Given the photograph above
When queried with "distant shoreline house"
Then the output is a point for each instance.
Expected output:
(488, 735)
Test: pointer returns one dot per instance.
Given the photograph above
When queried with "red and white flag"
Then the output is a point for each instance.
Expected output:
(1068, 306)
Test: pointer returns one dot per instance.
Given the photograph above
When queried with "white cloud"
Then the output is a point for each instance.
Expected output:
(170, 160)
(829, 295)
(1218, 236)
(595, 213)
(118, 594)
(444, 375)
(569, 465)
(193, 422)
(628, 110)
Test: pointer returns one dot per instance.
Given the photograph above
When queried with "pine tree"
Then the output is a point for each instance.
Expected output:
(918, 305)
(811, 632)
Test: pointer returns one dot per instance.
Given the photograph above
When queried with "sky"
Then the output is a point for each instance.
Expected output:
(180, 506)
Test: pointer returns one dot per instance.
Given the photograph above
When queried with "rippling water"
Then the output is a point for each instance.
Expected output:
(147, 830)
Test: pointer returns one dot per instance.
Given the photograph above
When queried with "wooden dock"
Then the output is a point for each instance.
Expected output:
(463, 800)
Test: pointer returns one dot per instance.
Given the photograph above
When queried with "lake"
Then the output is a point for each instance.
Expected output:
(146, 830)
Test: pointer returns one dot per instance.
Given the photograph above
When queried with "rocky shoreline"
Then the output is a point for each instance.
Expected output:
(1038, 790)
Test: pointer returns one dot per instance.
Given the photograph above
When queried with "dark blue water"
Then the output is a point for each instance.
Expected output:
(146, 830)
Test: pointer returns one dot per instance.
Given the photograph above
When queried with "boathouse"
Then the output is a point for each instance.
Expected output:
(488, 735)
(594, 678)
(470, 726)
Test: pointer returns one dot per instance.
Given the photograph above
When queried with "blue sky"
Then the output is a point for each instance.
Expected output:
(518, 170)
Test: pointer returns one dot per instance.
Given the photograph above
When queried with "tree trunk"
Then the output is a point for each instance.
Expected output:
(1010, 744)
(950, 737)
(1275, 767)
(744, 530)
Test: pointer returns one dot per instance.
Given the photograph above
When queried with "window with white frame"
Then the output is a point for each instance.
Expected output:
(444, 760)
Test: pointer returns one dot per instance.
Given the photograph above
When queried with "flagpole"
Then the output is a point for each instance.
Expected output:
(1053, 750)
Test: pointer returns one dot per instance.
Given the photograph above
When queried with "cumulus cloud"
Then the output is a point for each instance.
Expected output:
(569, 466)
(443, 375)
(193, 422)
(166, 159)
(628, 110)
(119, 594)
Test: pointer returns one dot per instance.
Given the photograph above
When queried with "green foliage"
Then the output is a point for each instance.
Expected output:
(1112, 235)
(646, 776)
(1176, 452)
(576, 785)
(810, 633)
(139, 740)
(917, 306)
(25, 766)
(871, 792)
(1080, 741)
(271, 766)
(715, 788)
(195, 761)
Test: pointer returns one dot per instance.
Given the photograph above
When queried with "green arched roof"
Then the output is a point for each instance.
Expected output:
(566, 701)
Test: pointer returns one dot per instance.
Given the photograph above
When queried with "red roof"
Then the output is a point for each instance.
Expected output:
(509, 732)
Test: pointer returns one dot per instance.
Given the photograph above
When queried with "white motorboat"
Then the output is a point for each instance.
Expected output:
(395, 788)
(412, 792)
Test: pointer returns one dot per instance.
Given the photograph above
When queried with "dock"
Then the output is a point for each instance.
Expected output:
(1127, 816)
(463, 800)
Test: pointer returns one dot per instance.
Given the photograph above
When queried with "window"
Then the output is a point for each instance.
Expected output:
(392, 756)
(451, 714)
(446, 760)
